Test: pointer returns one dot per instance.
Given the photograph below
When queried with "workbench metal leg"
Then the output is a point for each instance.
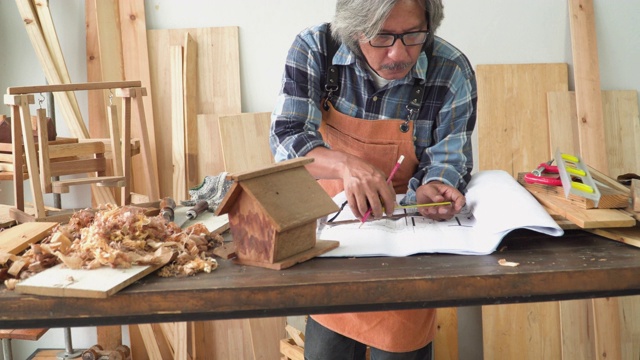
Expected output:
(6, 349)
(68, 353)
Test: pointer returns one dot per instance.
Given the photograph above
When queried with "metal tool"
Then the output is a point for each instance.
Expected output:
(542, 167)
(571, 167)
(167, 208)
(537, 175)
(196, 210)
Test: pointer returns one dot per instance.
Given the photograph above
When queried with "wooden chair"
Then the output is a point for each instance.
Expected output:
(45, 160)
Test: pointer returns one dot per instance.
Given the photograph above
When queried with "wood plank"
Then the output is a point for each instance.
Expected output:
(229, 339)
(179, 191)
(635, 195)
(155, 346)
(197, 340)
(109, 337)
(180, 341)
(607, 326)
(245, 141)
(110, 40)
(629, 312)
(190, 86)
(587, 218)
(208, 128)
(116, 149)
(30, 155)
(218, 88)
(137, 347)
(111, 64)
(104, 85)
(23, 334)
(51, 39)
(626, 235)
(563, 122)
(586, 73)
(97, 100)
(97, 283)
(512, 114)
(135, 53)
(84, 148)
(621, 127)
(125, 144)
(18, 161)
(290, 350)
(265, 336)
(577, 330)
(43, 151)
(76, 125)
(445, 343)
(16, 239)
(622, 131)
(522, 331)
(62, 186)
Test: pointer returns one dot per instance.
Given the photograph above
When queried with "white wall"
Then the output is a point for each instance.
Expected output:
(488, 31)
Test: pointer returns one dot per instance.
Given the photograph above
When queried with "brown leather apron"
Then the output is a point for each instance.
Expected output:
(380, 143)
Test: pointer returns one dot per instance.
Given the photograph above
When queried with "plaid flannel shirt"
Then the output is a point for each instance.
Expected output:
(442, 130)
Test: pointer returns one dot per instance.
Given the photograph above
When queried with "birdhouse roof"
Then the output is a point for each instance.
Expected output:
(286, 192)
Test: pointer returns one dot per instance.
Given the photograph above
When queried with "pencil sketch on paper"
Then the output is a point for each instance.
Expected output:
(496, 205)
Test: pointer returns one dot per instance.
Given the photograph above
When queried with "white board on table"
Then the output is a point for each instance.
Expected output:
(96, 283)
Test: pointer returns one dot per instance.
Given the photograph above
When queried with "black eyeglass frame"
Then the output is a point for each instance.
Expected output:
(401, 37)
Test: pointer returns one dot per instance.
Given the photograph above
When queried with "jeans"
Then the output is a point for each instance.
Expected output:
(324, 344)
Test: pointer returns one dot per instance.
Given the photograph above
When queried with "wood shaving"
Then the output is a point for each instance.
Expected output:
(118, 237)
(504, 262)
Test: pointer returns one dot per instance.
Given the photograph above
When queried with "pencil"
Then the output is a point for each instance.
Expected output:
(422, 205)
(389, 179)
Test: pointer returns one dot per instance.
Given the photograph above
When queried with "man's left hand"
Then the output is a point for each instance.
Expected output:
(436, 191)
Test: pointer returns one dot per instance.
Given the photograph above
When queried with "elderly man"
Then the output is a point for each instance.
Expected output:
(356, 94)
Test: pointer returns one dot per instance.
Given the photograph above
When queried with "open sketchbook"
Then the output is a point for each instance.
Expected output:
(496, 205)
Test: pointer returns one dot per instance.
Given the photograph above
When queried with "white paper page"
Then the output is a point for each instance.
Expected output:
(495, 206)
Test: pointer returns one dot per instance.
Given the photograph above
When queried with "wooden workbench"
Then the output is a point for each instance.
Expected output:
(577, 265)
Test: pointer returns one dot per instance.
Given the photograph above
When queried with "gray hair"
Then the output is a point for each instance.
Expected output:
(354, 18)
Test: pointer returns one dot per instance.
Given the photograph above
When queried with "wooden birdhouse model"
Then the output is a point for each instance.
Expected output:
(273, 214)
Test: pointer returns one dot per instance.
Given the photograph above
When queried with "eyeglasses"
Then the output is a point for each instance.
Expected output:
(408, 39)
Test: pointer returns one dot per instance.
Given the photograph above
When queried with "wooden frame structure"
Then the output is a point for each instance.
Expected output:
(84, 156)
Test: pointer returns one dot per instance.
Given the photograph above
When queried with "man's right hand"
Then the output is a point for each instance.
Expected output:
(364, 185)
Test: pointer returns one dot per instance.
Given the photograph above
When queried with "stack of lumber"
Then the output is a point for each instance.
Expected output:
(117, 51)
(525, 113)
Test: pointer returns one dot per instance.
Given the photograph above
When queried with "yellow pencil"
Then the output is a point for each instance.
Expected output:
(422, 205)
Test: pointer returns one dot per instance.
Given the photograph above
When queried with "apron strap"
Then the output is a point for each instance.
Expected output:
(332, 84)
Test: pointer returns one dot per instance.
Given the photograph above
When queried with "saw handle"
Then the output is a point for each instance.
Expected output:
(167, 208)
(198, 209)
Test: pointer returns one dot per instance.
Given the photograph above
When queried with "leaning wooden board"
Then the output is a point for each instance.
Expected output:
(621, 121)
(513, 135)
(218, 88)
(513, 130)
